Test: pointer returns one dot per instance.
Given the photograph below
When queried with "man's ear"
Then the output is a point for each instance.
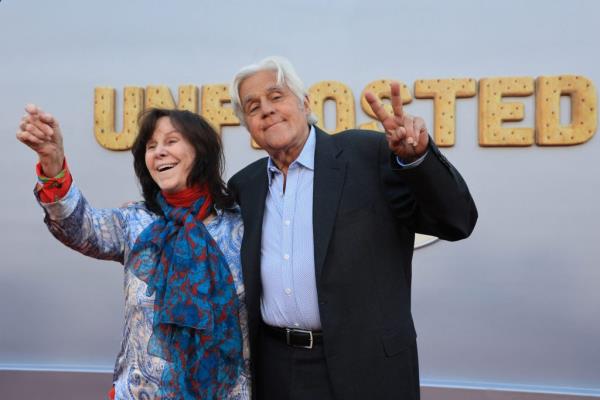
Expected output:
(306, 104)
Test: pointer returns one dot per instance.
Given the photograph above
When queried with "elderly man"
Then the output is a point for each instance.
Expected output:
(329, 235)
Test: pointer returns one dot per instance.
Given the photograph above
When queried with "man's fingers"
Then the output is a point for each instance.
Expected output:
(389, 125)
(420, 129)
(419, 125)
(413, 140)
(376, 106)
(396, 100)
(408, 122)
(370, 97)
(396, 135)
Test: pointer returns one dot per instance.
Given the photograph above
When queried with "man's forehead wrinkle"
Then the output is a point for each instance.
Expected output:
(271, 88)
(274, 87)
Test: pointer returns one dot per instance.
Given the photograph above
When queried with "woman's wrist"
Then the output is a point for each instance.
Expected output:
(51, 166)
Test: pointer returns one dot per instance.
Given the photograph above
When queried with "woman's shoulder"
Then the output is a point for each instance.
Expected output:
(227, 224)
(137, 212)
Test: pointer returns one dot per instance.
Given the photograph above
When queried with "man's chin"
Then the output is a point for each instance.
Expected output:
(277, 145)
(275, 129)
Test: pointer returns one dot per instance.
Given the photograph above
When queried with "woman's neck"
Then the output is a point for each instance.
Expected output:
(185, 197)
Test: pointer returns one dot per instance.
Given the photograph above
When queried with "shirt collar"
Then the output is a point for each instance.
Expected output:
(306, 158)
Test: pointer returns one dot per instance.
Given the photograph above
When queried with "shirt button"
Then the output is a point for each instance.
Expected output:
(296, 324)
(287, 222)
(288, 291)
(286, 256)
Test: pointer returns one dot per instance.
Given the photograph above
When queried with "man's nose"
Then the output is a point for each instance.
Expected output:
(266, 108)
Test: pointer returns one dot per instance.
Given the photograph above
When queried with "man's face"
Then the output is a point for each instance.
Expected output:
(275, 118)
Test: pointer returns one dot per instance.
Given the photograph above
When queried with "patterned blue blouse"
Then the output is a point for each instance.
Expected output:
(109, 234)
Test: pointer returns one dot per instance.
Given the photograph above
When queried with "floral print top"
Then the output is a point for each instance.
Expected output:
(109, 234)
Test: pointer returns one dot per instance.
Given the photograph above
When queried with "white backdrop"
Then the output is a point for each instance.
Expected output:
(516, 305)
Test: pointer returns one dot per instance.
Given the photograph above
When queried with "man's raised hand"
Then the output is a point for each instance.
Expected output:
(406, 135)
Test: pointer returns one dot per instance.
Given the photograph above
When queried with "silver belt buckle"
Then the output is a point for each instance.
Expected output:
(310, 338)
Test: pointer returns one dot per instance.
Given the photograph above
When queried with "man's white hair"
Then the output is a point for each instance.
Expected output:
(286, 75)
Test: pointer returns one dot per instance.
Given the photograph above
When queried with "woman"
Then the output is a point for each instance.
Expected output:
(185, 333)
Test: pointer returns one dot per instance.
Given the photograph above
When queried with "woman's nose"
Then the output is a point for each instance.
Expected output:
(161, 150)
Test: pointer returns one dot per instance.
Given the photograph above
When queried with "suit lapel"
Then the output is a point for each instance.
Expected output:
(253, 208)
(330, 171)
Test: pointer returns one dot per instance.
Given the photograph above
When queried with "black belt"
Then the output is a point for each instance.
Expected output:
(294, 337)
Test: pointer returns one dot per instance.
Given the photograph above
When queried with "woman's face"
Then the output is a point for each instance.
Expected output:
(169, 157)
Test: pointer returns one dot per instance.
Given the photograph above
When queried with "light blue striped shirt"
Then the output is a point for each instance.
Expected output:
(289, 297)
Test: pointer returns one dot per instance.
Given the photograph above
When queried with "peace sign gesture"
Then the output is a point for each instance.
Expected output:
(406, 135)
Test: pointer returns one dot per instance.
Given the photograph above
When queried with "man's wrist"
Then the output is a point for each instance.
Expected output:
(407, 160)
(412, 163)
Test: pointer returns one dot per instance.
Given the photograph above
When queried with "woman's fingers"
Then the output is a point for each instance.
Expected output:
(29, 139)
(44, 127)
(36, 126)
(39, 129)
(48, 118)
(32, 109)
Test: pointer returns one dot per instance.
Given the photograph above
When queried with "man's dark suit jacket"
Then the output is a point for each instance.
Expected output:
(365, 214)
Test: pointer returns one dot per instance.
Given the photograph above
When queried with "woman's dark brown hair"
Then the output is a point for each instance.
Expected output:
(208, 161)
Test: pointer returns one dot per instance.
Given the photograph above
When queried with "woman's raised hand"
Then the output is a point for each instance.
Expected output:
(41, 132)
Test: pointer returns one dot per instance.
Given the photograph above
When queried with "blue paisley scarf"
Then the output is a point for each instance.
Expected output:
(196, 325)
